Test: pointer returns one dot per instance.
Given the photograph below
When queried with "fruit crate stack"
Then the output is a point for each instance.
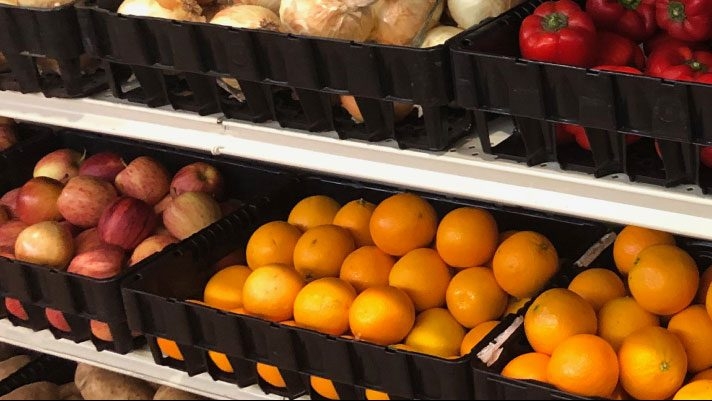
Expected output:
(359, 246)
(624, 98)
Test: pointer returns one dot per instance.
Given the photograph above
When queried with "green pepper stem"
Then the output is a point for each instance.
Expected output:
(554, 22)
(676, 11)
(697, 66)
(630, 4)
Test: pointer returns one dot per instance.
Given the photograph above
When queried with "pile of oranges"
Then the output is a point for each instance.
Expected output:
(391, 274)
(642, 332)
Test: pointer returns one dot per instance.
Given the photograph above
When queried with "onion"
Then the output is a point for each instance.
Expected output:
(468, 13)
(247, 16)
(338, 19)
(41, 3)
(181, 10)
(400, 110)
(439, 35)
(273, 5)
(399, 22)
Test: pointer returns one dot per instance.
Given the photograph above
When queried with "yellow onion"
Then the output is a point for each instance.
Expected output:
(273, 5)
(40, 3)
(439, 35)
(399, 22)
(338, 19)
(181, 10)
(247, 16)
(400, 110)
(468, 13)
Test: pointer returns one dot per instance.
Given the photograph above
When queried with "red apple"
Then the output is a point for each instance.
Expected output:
(161, 206)
(8, 234)
(61, 165)
(7, 136)
(71, 228)
(657, 149)
(57, 320)
(706, 156)
(127, 222)
(230, 206)
(88, 240)
(15, 308)
(84, 199)
(145, 179)
(233, 258)
(37, 200)
(105, 166)
(46, 243)
(7, 254)
(198, 177)
(9, 200)
(151, 245)
(4, 215)
(102, 262)
(189, 213)
(101, 330)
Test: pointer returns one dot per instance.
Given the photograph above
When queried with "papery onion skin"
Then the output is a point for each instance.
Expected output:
(248, 16)
(40, 3)
(337, 19)
(181, 10)
(439, 35)
(273, 5)
(399, 22)
(468, 13)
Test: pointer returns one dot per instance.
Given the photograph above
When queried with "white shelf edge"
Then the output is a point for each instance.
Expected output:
(138, 363)
(456, 173)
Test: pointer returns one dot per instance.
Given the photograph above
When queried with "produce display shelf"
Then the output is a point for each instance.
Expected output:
(464, 171)
(138, 363)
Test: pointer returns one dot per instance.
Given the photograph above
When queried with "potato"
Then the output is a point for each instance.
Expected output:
(170, 393)
(34, 391)
(66, 391)
(100, 384)
(12, 365)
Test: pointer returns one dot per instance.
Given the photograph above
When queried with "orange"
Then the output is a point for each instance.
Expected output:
(504, 235)
(584, 364)
(436, 332)
(383, 315)
(403, 222)
(323, 305)
(366, 267)
(524, 263)
(220, 360)
(355, 216)
(467, 237)
(693, 327)
(556, 315)
(704, 375)
(272, 243)
(271, 375)
(473, 296)
(598, 286)
(619, 393)
(620, 317)
(529, 366)
(632, 240)
(705, 281)
(321, 251)
(696, 390)
(423, 276)
(324, 387)
(664, 279)
(313, 211)
(403, 347)
(515, 304)
(653, 363)
(475, 335)
(169, 348)
(376, 395)
(269, 292)
(224, 289)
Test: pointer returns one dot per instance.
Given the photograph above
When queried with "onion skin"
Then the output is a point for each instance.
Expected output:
(439, 35)
(180, 10)
(248, 16)
(336, 19)
(399, 22)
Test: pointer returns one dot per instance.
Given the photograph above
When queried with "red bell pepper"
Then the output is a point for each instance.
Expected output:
(559, 32)
(614, 49)
(634, 19)
(662, 38)
(681, 64)
(619, 68)
(579, 134)
(688, 20)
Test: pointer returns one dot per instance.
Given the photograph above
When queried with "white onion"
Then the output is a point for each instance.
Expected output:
(399, 22)
(271, 4)
(41, 3)
(468, 13)
(338, 19)
(247, 16)
(181, 10)
(439, 35)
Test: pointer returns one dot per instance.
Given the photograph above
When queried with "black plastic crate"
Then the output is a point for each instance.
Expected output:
(35, 39)
(159, 310)
(490, 75)
(490, 384)
(45, 368)
(83, 298)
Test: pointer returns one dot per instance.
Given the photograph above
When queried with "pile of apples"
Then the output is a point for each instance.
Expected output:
(98, 216)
